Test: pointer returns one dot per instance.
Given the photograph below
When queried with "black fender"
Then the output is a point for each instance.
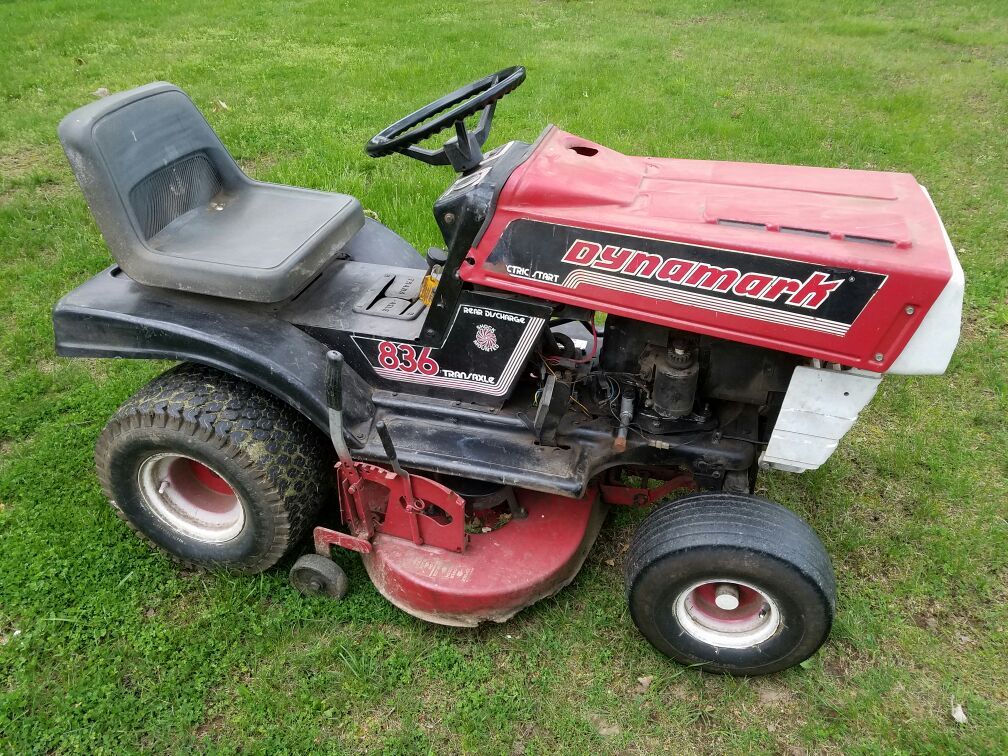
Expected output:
(113, 316)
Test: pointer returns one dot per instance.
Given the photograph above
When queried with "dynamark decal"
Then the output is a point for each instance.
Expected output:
(788, 292)
(487, 364)
(810, 293)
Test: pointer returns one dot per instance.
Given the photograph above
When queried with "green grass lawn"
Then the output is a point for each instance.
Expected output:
(105, 645)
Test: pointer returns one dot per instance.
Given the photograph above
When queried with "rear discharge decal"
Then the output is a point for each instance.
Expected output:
(483, 352)
(788, 292)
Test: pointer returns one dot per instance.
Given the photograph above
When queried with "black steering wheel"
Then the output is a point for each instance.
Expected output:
(462, 151)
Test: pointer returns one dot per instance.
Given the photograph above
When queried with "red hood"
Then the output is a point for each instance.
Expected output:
(867, 221)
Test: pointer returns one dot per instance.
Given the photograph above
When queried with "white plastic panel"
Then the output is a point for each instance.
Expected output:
(930, 348)
(820, 406)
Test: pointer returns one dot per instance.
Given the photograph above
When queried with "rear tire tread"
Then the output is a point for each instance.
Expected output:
(281, 450)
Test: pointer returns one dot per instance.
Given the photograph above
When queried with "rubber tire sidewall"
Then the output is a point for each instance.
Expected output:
(128, 451)
(806, 616)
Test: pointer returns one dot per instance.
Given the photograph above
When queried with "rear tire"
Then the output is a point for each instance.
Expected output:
(733, 583)
(212, 470)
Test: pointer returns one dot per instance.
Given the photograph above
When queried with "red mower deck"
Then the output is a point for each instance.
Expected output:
(500, 572)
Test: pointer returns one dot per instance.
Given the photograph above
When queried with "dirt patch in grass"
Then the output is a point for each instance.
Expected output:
(51, 191)
(47, 367)
(210, 728)
(259, 165)
(97, 369)
(18, 163)
(33, 173)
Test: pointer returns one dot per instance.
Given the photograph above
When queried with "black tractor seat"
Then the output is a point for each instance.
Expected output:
(177, 212)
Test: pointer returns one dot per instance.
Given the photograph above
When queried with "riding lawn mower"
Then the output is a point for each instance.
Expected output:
(598, 331)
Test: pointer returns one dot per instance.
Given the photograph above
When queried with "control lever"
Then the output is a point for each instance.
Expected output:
(393, 458)
(413, 504)
(334, 402)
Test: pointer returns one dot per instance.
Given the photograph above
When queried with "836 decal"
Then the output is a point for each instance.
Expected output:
(405, 358)
(482, 353)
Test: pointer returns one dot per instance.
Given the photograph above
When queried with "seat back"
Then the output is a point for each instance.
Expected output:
(143, 158)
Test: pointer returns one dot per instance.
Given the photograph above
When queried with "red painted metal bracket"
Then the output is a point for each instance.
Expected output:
(617, 493)
(376, 500)
(325, 539)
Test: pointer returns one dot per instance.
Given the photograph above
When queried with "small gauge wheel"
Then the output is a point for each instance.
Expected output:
(315, 575)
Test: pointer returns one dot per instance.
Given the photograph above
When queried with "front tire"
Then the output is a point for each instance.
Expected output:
(733, 583)
(212, 470)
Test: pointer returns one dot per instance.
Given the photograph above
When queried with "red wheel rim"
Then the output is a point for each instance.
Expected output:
(727, 613)
(191, 498)
(209, 478)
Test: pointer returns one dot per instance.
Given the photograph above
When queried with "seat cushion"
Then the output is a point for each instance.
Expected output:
(262, 243)
(262, 227)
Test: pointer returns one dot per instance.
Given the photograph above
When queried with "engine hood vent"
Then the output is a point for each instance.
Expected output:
(805, 232)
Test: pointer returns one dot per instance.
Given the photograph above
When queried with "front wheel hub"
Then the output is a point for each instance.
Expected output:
(727, 613)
